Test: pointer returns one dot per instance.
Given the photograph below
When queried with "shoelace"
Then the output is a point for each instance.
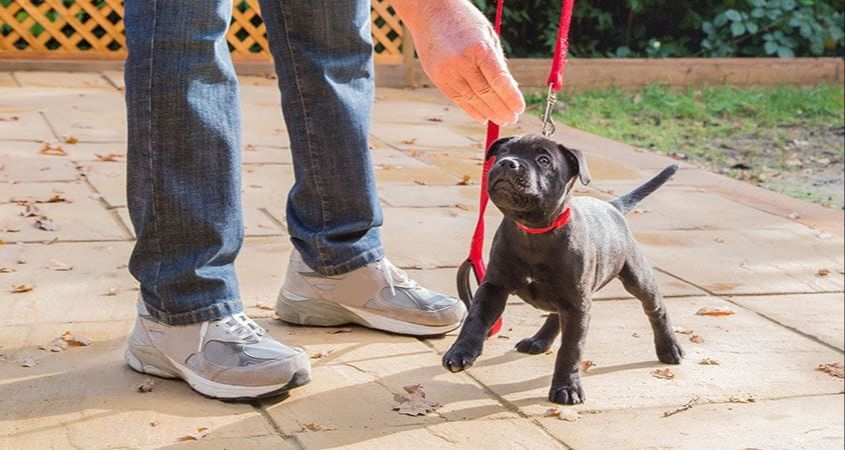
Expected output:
(238, 324)
(390, 271)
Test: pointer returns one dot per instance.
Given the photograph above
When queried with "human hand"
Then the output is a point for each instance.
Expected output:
(461, 54)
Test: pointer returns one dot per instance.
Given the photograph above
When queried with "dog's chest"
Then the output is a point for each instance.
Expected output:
(541, 294)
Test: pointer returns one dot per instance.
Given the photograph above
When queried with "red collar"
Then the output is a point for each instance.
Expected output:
(559, 222)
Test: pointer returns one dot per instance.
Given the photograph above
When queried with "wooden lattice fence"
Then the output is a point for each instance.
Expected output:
(94, 29)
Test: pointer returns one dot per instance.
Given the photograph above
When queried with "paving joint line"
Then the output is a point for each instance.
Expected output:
(758, 313)
(506, 404)
(111, 211)
(273, 219)
(290, 439)
(15, 79)
(110, 82)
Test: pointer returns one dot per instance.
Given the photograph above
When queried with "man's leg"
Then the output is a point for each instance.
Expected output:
(184, 199)
(184, 175)
(338, 273)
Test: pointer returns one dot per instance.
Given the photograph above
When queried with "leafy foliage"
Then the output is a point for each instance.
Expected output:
(659, 29)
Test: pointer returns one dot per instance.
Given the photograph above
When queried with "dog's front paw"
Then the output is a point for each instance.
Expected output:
(533, 346)
(459, 358)
(670, 352)
(571, 394)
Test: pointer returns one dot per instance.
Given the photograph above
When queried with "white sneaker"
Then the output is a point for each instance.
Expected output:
(231, 358)
(378, 295)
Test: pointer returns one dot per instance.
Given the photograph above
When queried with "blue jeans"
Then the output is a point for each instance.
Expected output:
(184, 146)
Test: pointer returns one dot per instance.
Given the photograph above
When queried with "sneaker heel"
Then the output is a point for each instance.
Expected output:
(294, 309)
(137, 365)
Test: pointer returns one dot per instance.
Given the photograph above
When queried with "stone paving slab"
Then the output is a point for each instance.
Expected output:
(22, 124)
(7, 80)
(97, 288)
(21, 161)
(90, 115)
(784, 423)
(756, 357)
(80, 218)
(818, 315)
(689, 208)
(488, 434)
(82, 80)
(70, 399)
(748, 262)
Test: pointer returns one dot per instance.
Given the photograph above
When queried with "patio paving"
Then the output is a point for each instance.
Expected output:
(776, 262)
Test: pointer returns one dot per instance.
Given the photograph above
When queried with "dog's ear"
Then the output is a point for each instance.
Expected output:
(579, 161)
(496, 146)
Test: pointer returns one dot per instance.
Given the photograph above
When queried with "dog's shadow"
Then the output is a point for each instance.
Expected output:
(544, 382)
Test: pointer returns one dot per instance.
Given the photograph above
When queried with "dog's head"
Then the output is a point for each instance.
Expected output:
(532, 177)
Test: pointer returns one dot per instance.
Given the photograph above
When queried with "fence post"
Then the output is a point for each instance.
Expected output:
(408, 57)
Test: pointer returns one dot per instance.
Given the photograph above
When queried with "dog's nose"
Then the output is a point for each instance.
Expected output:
(509, 163)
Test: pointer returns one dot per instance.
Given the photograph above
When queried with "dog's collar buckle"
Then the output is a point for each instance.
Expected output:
(559, 222)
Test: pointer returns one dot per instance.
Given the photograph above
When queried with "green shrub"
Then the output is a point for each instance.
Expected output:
(659, 29)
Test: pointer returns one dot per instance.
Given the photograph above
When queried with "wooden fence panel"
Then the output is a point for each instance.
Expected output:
(93, 29)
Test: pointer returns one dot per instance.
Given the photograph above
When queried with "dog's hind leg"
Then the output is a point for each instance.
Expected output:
(543, 338)
(638, 279)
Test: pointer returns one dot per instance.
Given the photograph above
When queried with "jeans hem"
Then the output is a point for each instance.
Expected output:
(368, 257)
(216, 311)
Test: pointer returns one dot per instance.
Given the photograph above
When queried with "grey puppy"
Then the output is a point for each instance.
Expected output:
(557, 269)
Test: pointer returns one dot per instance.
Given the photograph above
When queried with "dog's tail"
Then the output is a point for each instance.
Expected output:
(628, 201)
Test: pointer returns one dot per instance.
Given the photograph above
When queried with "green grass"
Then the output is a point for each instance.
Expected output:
(755, 133)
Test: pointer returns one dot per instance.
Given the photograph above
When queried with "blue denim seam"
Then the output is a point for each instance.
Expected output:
(315, 177)
(225, 307)
(361, 260)
(152, 162)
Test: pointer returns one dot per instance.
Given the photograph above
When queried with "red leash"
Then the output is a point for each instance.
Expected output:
(475, 261)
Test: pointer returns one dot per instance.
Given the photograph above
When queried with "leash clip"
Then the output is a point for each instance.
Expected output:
(548, 127)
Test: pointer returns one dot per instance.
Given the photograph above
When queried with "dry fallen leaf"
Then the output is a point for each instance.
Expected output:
(681, 330)
(823, 272)
(748, 398)
(70, 139)
(311, 426)
(147, 385)
(715, 312)
(463, 207)
(413, 402)
(31, 211)
(682, 408)
(56, 345)
(53, 149)
(21, 288)
(29, 362)
(112, 291)
(410, 141)
(43, 223)
(421, 183)
(77, 340)
(58, 266)
(110, 157)
(586, 365)
(264, 306)
(434, 117)
(832, 369)
(567, 414)
(322, 354)
(746, 265)
(696, 339)
(191, 437)
(663, 374)
(708, 362)
(465, 180)
(6, 270)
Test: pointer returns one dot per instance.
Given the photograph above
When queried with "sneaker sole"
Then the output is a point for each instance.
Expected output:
(207, 387)
(300, 310)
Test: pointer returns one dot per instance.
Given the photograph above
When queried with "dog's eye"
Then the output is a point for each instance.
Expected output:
(544, 160)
